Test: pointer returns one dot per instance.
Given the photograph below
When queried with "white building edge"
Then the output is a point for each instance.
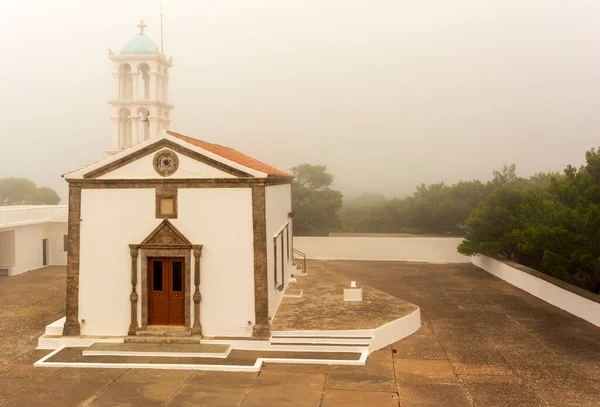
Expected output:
(32, 236)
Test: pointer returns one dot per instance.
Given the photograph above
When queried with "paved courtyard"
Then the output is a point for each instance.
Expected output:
(483, 343)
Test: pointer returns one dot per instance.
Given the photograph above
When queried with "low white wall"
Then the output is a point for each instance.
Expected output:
(395, 330)
(559, 297)
(421, 249)
(19, 215)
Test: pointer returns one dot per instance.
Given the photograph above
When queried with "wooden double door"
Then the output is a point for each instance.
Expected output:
(166, 291)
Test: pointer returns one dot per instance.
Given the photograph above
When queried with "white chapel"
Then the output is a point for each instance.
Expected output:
(169, 231)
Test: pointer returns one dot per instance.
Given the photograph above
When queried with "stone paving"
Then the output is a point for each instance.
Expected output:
(320, 307)
(483, 343)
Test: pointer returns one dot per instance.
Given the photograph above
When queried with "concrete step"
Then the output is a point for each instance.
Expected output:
(359, 341)
(335, 348)
(189, 350)
(56, 328)
(297, 272)
(174, 333)
(293, 293)
(162, 339)
(171, 328)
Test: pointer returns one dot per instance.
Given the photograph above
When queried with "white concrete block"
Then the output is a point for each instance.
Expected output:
(353, 294)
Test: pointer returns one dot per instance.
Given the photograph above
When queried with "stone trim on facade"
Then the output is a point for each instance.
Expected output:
(151, 247)
(166, 241)
(261, 286)
(197, 326)
(133, 297)
(166, 192)
(145, 253)
(165, 162)
(72, 327)
(180, 183)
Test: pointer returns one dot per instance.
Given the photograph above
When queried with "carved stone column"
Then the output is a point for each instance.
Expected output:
(133, 297)
(72, 327)
(197, 326)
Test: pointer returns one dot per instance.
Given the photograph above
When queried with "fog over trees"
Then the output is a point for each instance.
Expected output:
(21, 191)
(388, 94)
(549, 221)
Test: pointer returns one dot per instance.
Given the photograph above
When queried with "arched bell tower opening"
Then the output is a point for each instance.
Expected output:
(125, 83)
(143, 81)
(124, 128)
(143, 124)
(141, 107)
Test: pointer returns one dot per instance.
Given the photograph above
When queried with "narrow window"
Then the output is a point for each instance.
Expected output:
(157, 276)
(177, 276)
(275, 260)
(287, 236)
(282, 260)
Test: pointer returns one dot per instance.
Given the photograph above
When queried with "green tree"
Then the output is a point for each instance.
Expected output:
(314, 203)
(22, 191)
(550, 222)
(491, 222)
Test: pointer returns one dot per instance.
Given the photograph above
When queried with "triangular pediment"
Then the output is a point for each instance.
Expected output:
(141, 162)
(166, 234)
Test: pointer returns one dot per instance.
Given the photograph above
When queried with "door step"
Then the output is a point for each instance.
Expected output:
(156, 331)
(170, 328)
(162, 339)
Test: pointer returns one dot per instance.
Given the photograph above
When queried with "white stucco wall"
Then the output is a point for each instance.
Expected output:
(7, 248)
(278, 206)
(571, 302)
(56, 232)
(220, 219)
(28, 245)
(22, 229)
(424, 249)
(143, 168)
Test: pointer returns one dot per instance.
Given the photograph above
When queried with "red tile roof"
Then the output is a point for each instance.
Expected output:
(233, 155)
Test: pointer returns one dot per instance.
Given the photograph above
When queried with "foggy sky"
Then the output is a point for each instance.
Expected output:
(387, 94)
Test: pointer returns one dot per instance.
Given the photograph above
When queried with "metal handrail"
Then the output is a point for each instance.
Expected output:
(299, 258)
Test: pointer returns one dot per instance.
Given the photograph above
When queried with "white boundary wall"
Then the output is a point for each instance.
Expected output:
(559, 297)
(419, 249)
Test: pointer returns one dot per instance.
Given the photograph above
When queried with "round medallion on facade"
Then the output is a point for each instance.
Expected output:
(166, 163)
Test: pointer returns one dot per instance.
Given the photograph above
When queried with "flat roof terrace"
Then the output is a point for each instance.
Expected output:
(483, 343)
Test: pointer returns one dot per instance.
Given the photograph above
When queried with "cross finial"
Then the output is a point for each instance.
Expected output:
(141, 26)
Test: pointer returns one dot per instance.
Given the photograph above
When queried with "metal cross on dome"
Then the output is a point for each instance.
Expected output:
(141, 26)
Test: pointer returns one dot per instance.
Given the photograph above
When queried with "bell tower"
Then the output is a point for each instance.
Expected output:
(140, 103)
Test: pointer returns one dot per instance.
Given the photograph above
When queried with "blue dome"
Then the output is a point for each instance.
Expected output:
(140, 44)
